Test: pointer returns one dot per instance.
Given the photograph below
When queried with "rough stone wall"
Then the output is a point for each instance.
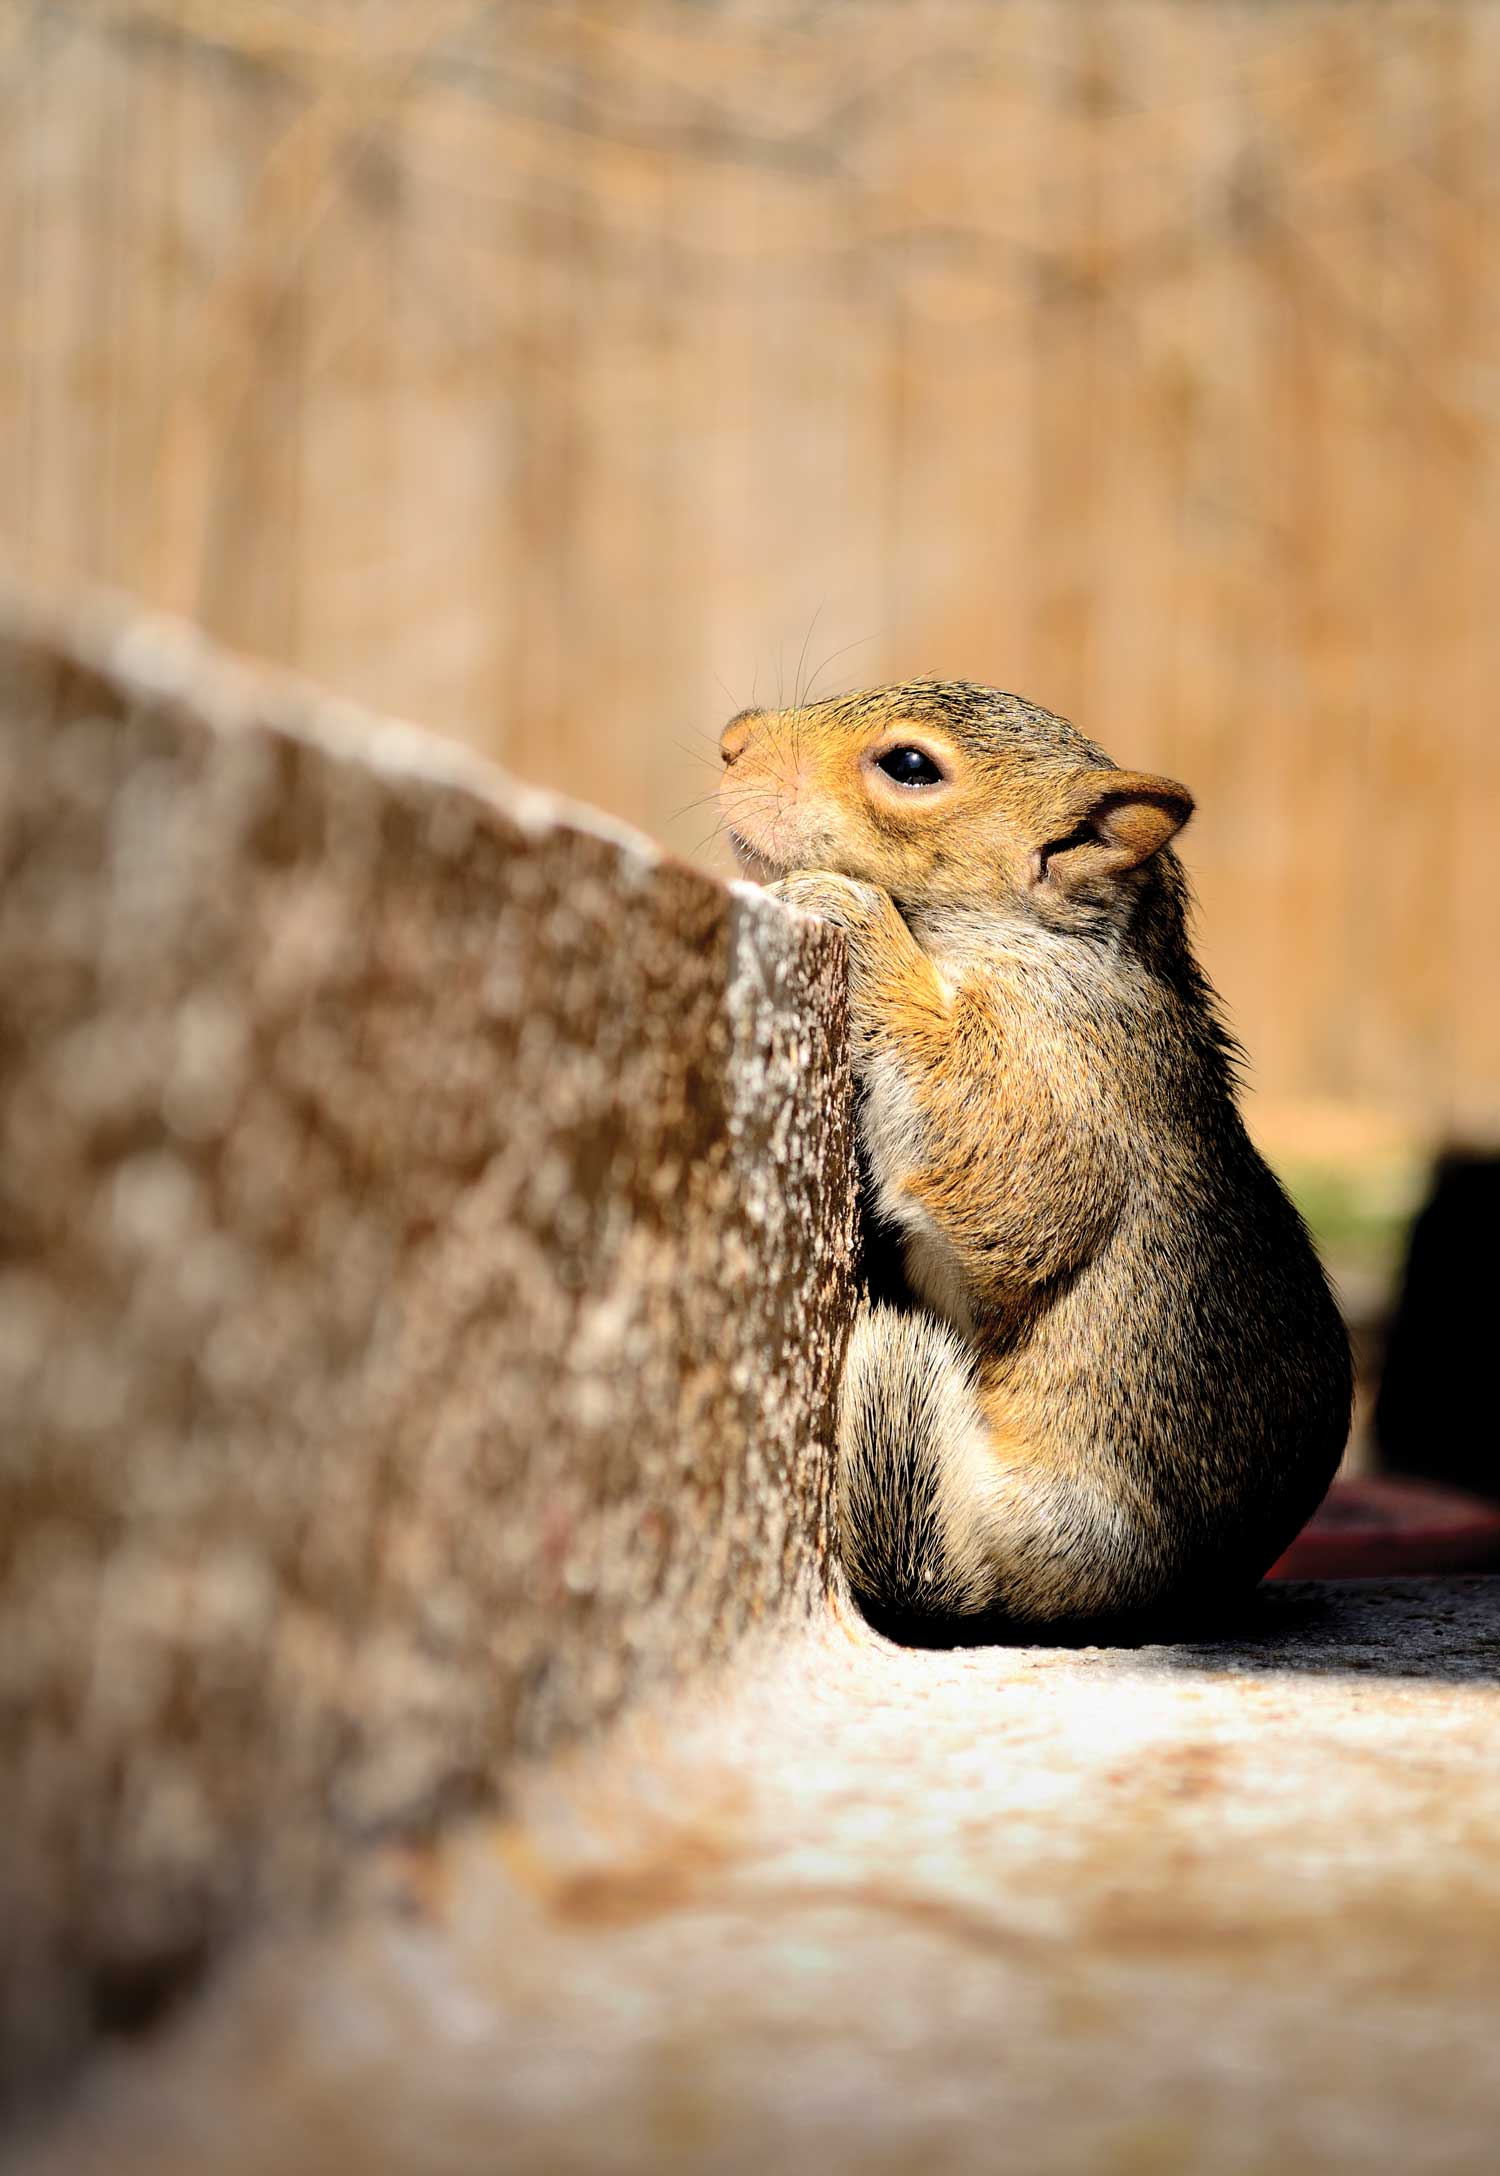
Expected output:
(425, 1256)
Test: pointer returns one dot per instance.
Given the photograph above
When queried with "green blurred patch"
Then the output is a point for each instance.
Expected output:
(1359, 1214)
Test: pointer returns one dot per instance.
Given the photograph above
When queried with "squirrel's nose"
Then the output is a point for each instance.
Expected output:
(735, 737)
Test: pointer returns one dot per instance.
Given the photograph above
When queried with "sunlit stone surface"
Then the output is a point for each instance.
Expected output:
(1229, 1908)
(426, 1259)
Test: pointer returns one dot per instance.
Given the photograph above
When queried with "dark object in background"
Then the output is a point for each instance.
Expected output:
(1374, 1526)
(1436, 1412)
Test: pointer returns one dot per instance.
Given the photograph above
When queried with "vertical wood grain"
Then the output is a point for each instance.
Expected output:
(552, 374)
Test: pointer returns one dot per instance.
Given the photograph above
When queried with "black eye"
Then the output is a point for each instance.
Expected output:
(909, 767)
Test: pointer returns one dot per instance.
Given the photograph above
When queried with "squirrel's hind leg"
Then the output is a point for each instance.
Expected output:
(939, 1517)
(913, 1476)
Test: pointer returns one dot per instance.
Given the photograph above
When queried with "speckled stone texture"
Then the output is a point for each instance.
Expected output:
(425, 1254)
(425, 1258)
(1220, 1908)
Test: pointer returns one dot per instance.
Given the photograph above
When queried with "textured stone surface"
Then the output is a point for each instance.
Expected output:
(1229, 1908)
(425, 1230)
(424, 1256)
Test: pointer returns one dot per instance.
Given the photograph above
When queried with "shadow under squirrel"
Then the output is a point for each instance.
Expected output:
(1123, 1381)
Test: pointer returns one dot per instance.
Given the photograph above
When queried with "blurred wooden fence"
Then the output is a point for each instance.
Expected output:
(559, 374)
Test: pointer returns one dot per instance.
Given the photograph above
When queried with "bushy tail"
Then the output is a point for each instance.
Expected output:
(911, 1495)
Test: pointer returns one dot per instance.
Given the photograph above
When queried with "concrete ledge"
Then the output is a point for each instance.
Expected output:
(425, 1255)
(1213, 1909)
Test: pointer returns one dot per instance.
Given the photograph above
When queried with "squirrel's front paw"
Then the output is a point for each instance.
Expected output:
(841, 900)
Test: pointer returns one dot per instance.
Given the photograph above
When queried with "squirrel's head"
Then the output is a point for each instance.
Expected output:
(947, 795)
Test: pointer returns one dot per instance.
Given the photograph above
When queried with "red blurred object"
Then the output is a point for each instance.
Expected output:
(1378, 1527)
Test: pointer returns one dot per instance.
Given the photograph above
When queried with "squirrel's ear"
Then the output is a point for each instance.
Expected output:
(1108, 822)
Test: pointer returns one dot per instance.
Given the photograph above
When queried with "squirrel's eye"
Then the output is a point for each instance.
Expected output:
(909, 767)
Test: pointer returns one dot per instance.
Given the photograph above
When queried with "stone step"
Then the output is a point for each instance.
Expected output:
(1215, 1909)
(427, 1253)
(428, 1701)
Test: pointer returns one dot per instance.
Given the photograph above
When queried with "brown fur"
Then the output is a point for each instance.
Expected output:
(1122, 1379)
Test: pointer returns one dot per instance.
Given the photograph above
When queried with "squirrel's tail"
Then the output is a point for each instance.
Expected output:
(911, 1468)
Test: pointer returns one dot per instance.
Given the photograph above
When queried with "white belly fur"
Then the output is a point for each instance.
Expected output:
(891, 1129)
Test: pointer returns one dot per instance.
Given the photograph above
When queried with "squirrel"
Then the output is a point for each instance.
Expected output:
(1116, 1380)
